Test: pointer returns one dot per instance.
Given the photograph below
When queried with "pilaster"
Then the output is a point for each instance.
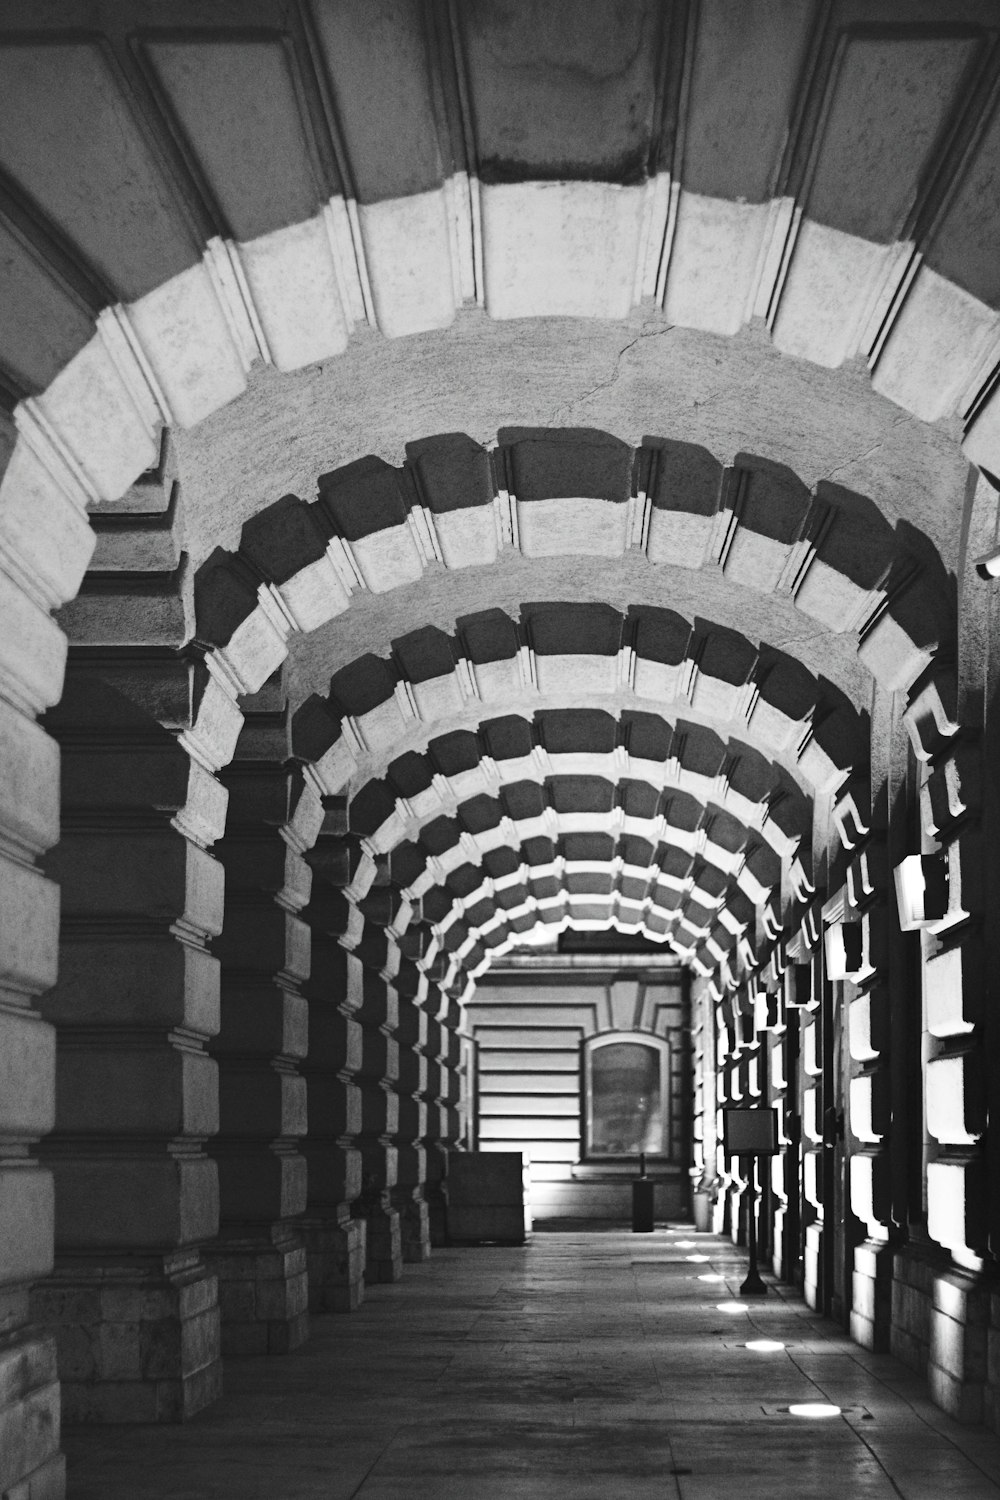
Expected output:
(131, 1301)
(334, 1239)
(409, 1195)
(29, 906)
(436, 1140)
(264, 952)
(379, 1069)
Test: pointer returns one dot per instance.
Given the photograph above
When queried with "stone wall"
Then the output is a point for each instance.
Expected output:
(529, 1031)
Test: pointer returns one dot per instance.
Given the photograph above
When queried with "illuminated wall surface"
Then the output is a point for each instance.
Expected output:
(470, 482)
(538, 1042)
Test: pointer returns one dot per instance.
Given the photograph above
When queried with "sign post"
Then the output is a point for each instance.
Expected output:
(751, 1133)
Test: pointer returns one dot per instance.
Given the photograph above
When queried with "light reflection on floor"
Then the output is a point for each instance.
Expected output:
(587, 1366)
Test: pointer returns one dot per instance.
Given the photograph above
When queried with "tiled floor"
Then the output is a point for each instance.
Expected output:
(585, 1365)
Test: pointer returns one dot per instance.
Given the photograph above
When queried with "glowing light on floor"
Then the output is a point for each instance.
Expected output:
(697, 1259)
(684, 1244)
(732, 1307)
(711, 1276)
(764, 1346)
(814, 1409)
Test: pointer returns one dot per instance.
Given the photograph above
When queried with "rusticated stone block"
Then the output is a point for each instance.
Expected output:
(956, 1200)
(163, 1091)
(954, 1099)
(138, 1203)
(260, 1185)
(137, 1344)
(27, 1074)
(111, 873)
(871, 1296)
(958, 1348)
(29, 1433)
(908, 1350)
(960, 1398)
(261, 1019)
(379, 1111)
(384, 1250)
(264, 937)
(258, 1102)
(263, 1292)
(25, 1365)
(335, 1259)
(29, 919)
(149, 981)
(29, 1417)
(414, 1228)
(26, 1219)
(118, 1351)
(912, 1308)
(811, 1263)
(47, 1482)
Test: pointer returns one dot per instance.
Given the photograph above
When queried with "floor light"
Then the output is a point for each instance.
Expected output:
(988, 566)
(764, 1346)
(732, 1307)
(814, 1409)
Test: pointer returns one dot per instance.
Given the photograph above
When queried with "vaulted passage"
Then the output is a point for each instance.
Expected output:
(498, 640)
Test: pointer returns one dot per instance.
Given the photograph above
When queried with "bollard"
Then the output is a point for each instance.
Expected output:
(642, 1200)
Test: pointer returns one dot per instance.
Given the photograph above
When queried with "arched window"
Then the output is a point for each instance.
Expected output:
(627, 1095)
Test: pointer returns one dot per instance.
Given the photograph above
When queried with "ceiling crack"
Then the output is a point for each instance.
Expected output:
(869, 452)
(563, 414)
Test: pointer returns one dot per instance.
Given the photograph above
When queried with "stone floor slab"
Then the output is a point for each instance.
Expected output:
(580, 1367)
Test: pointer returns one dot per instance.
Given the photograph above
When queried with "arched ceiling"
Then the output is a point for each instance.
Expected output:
(411, 285)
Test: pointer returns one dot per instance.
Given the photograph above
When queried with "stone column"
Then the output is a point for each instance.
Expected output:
(260, 1256)
(45, 543)
(131, 1300)
(379, 1069)
(449, 1121)
(335, 1241)
(436, 1138)
(414, 940)
(410, 1193)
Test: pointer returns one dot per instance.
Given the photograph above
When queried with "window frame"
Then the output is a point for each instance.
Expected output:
(600, 1042)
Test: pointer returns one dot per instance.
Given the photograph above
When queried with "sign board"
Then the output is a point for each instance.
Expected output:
(750, 1132)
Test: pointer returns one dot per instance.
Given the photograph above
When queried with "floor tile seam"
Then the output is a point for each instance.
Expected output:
(931, 1426)
(863, 1438)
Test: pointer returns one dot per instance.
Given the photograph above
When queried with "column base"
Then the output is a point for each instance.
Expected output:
(414, 1227)
(263, 1290)
(30, 1462)
(434, 1193)
(811, 1261)
(871, 1296)
(912, 1300)
(437, 1216)
(957, 1365)
(137, 1342)
(335, 1260)
(384, 1247)
(45, 1483)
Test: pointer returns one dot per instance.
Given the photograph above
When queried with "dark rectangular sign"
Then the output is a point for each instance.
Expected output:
(750, 1132)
